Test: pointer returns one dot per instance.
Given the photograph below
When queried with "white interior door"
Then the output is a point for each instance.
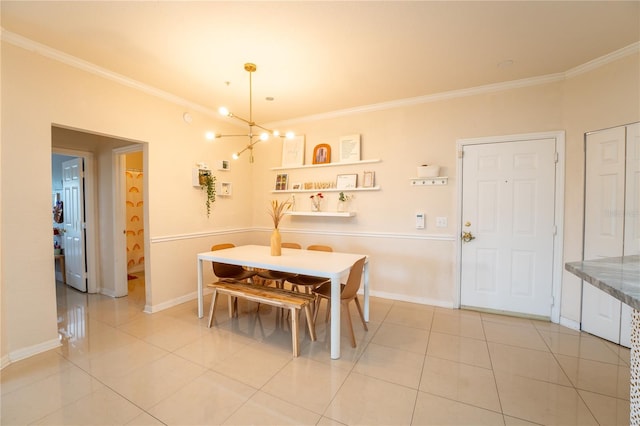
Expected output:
(74, 244)
(603, 225)
(508, 202)
(632, 192)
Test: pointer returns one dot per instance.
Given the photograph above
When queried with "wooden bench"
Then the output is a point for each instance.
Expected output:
(277, 297)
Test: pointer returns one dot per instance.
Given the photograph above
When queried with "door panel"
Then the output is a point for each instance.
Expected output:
(508, 194)
(607, 233)
(74, 246)
(632, 193)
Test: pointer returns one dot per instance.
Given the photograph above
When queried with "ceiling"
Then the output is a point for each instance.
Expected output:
(325, 56)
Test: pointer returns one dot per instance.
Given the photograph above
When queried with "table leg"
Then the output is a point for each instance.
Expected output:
(634, 394)
(366, 291)
(335, 317)
(200, 295)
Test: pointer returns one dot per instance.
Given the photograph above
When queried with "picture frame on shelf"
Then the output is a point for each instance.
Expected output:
(347, 181)
(368, 179)
(296, 186)
(322, 154)
(293, 151)
(282, 180)
(350, 148)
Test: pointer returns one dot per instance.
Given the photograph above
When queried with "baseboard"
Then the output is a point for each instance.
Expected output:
(30, 351)
(574, 325)
(404, 298)
(150, 309)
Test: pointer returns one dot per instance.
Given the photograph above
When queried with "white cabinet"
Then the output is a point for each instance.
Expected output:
(611, 222)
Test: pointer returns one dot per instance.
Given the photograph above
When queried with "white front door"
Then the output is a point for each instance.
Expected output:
(74, 238)
(508, 208)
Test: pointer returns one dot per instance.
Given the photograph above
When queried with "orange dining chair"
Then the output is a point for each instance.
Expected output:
(276, 276)
(226, 271)
(309, 282)
(348, 292)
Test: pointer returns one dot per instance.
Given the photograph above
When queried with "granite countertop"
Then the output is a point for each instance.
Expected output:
(617, 276)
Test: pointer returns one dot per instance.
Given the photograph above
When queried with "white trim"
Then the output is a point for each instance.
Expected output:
(57, 55)
(632, 49)
(429, 237)
(410, 299)
(558, 241)
(30, 351)
(151, 309)
(573, 325)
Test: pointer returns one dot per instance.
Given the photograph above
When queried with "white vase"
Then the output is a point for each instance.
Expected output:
(343, 206)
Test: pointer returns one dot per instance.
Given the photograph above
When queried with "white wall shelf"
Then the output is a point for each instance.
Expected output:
(311, 166)
(322, 214)
(441, 180)
(297, 191)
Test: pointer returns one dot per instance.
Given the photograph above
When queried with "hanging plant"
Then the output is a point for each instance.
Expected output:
(209, 184)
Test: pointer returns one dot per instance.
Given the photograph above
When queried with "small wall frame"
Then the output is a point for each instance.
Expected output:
(322, 154)
(282, 180)
(347, 181)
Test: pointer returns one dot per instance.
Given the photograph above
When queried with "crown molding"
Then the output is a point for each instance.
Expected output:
(57, 55)
(632, 49)
(48, 52)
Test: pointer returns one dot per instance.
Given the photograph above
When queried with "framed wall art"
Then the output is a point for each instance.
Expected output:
(368, 179)
(347, 181)
(293, 151)
(349, 148)
(281, 181)
(322, 154)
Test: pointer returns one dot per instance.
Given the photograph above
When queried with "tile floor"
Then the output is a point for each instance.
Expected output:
(416, 365)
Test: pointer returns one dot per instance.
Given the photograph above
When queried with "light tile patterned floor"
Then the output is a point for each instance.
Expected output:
(416, 365)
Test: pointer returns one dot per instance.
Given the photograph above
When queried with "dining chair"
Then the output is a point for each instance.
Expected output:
(276, 276)
(226, 271)
(309, 282)
(348, 292)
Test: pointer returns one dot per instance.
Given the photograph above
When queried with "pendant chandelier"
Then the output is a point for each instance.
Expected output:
(256, 131)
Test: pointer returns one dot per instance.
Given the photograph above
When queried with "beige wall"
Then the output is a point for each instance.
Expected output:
(407, 264)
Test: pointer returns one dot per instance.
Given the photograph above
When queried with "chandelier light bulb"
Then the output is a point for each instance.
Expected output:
(276, 133)
(264, 136)
(210, 136)
(290, 135)
(224, 111)
(235, 156)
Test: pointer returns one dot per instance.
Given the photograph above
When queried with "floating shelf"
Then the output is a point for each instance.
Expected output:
(442, 180)
(323, 214)
(296, 191)
(310, 166)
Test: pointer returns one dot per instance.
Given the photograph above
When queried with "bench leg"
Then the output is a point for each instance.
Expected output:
(213, 307)
(310, 323)
(294, 332)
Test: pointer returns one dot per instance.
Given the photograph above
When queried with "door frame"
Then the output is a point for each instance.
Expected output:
(558, 240)
(121, 287)
(90, 210)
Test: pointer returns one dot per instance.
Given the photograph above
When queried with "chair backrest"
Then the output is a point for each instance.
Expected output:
(319, 247)
(353, 281)
(224, 270)
(222, 246)
(291, 245)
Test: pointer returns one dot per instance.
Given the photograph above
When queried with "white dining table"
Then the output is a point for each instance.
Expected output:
(332, 265)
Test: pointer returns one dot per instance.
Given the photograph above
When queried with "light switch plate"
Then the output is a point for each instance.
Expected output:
(441, 222)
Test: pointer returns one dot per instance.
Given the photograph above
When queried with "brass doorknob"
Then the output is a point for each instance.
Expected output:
(466, 237)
